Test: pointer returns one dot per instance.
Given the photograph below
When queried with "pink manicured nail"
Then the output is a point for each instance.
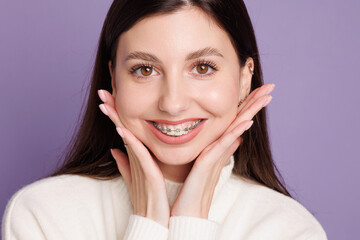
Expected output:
(270, 89)
(102, 95)
(249, 125)
(103, 109)
(267, 101)
(118, 129)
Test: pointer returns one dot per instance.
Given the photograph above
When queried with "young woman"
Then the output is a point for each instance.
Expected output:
(177, 99)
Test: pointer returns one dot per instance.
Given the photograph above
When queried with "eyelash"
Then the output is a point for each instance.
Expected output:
(198, 62)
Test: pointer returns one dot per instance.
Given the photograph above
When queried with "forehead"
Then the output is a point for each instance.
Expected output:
(172, 36)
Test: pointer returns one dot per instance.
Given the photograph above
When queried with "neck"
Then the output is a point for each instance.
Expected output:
(175, 173)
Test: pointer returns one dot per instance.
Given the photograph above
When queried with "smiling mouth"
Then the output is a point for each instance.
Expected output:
(177, 130)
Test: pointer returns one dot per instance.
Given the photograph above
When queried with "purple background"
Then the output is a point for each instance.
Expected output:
(309, 49)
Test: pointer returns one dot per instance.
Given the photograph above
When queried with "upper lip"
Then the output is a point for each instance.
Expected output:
(175, 122)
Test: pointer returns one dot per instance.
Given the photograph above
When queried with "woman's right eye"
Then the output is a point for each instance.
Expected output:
(142, 70)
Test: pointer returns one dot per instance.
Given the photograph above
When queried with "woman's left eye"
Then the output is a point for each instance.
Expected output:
(205, 68)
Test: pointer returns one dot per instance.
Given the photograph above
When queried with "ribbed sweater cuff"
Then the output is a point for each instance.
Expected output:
(140, 228)
(185, 227)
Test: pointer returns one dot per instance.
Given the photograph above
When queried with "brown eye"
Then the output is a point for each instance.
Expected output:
(143, 71)
(202, 68)
(146, 71)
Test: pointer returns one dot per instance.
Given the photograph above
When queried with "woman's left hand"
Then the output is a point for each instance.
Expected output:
(196, 194)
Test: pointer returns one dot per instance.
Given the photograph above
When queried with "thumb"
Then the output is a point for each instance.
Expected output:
(123, 165)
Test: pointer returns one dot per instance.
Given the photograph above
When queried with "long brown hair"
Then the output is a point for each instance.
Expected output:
(88, 152)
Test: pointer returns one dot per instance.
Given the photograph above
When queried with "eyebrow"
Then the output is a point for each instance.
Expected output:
(207, 51)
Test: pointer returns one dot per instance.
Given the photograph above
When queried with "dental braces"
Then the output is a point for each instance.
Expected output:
(177, 129)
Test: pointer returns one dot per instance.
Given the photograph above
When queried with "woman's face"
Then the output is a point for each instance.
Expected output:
(193, 73)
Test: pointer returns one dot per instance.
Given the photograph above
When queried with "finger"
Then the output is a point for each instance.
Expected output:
(227, 154)
(250, 112)
(231, 150)
(133, 160)
(238, 141)
(123, 165)
(134, 163)
(247, 99)
(131, 164)
(109, 108)
(228, 139)
(106, 97)
(132, 177)
(256, 94)
(224, 144)
(213, 144)
(111, 113)
(141, 154)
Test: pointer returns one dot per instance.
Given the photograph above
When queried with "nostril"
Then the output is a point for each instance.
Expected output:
(174, 105)
(173, 98)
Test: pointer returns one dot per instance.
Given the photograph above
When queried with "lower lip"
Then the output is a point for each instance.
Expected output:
(176, 140)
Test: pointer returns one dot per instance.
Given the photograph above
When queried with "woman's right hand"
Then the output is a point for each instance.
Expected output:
(141, 173)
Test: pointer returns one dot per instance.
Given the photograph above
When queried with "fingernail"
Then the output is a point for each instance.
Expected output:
(249, 125)
(121, 133)
(267, 101)
(270, 89)
(103, 109)
(102, 95)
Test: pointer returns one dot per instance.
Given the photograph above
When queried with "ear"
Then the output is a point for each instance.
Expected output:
(112, 74)
(245, 79)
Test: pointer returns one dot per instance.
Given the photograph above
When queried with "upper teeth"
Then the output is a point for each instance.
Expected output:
(176, 130)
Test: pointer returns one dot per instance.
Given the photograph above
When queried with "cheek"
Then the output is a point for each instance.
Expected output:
(220, 101)
(221, 98)
(131, 104)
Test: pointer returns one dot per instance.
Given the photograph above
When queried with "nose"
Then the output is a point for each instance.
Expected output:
(174, 98)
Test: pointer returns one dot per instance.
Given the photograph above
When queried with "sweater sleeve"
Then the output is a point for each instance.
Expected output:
(186, 227)
(142, 228)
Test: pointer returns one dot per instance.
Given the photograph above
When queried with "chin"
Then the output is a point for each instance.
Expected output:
(175, 156)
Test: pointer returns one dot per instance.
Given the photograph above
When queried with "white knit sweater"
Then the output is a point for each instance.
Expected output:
(76, 207)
